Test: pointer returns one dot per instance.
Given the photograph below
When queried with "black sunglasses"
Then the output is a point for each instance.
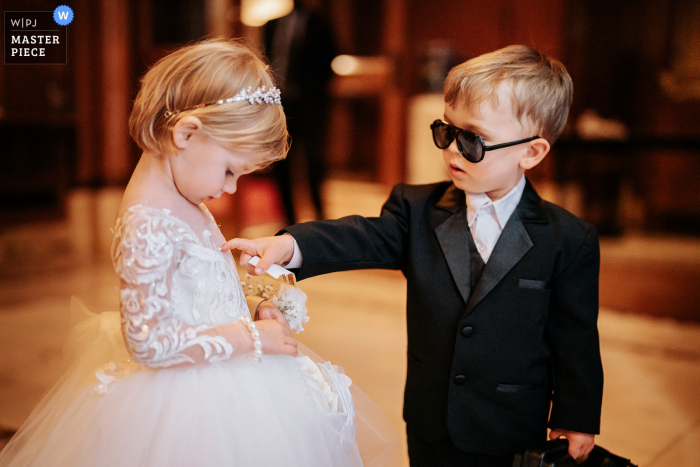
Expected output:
(470, 145)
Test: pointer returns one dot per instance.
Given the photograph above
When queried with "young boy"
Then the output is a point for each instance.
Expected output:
(502, 301)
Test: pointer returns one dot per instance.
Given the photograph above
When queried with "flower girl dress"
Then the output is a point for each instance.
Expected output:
(139, 408)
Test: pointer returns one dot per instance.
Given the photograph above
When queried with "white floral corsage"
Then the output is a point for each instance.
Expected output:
(290, 300)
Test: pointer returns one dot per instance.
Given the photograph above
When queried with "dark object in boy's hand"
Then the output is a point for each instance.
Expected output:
(555, 454)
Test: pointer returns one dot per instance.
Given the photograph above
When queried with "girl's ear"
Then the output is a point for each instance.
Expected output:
(535, 153)
(185, 129)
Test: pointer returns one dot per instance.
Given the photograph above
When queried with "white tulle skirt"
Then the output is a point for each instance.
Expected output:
(233, 413)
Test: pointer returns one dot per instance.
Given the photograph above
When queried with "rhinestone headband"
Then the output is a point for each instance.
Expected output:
(259, 96)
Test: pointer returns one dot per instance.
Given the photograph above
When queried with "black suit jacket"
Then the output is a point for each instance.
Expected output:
(483, 366)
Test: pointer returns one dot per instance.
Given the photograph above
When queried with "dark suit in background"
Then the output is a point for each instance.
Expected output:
(485, 359)
(300, 48)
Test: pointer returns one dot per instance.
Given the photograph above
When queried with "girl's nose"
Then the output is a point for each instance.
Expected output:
(231, 187)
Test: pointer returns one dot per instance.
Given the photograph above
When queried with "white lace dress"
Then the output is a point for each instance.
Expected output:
(128, 406)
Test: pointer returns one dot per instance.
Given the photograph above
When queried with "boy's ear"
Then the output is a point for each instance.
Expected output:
(185, 129)
(535, 153)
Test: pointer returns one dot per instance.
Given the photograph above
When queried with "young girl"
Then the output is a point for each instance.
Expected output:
(182, 377)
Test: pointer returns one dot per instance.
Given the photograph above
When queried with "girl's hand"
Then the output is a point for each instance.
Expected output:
(272, 250)
(267, 310)
(276, 338)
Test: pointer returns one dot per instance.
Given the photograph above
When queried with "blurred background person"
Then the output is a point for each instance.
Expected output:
(300, 47)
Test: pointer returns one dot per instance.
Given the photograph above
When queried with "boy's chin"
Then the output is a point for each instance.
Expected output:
(464, 185)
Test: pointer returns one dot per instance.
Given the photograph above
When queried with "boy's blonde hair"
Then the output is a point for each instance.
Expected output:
(541, 87)
(202, 73)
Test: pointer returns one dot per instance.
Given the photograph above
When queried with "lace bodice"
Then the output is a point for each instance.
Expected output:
(175, 287)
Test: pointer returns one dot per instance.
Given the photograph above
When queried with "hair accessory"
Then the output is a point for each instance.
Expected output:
(261, 95)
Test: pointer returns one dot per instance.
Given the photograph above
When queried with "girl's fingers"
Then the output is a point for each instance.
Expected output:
(269, 312)
(291, 348)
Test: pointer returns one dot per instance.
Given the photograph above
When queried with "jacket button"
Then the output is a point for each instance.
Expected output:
(467, 331)
(459, 379)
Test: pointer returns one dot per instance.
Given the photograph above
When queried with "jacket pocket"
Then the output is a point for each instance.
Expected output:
(533, 284)
(511, 388)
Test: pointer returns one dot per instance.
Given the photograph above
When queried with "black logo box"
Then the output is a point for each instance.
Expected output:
(39, 27)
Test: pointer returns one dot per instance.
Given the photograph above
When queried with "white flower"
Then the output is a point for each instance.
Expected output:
(292, 294)
(291, 301)
(325, 396)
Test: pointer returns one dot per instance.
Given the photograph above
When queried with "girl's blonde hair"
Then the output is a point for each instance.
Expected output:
(202, 73)
(541, 87)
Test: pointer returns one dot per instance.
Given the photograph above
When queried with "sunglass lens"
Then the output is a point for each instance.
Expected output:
(470, 146)
(442, 136)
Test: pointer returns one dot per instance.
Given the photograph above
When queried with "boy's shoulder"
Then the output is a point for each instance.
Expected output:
(556, 228)
(570, 229)
(440, 194)
(410, 191)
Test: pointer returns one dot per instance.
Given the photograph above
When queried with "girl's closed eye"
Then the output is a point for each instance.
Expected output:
(229, 173)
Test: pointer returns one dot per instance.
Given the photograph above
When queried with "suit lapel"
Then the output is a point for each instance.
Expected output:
(512, 245)
(452, 236)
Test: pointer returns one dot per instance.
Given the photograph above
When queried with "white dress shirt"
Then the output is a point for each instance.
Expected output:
(487, 218)
(297, 258)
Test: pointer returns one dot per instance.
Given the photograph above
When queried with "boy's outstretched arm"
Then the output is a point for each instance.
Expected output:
(272, 250)
(350, 243)
(580, 444)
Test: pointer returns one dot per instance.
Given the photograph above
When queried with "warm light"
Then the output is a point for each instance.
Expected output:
(347, 65)
(258, 12)
(344, 65)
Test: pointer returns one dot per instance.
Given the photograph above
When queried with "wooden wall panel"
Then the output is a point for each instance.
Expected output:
(474, 27)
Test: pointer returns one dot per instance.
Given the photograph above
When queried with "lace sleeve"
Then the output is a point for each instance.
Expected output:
(145, 249)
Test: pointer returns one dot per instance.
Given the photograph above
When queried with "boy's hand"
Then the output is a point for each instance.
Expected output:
(580, 444)
(272, 250)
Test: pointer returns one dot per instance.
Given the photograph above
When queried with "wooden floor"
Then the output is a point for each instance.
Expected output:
(656, 276)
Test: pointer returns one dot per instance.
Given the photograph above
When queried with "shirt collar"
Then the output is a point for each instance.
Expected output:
(504, 207)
